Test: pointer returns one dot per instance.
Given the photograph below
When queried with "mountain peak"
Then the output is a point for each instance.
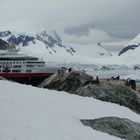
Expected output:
(5, 33)
(101, 46)
(134, 41)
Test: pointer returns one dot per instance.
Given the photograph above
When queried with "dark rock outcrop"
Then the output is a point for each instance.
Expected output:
(127, 48)
(4, 45)
(80, 83)
(114, 92)
(119, 127)
(66, 81)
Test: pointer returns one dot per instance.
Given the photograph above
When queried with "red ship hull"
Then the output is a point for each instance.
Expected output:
(26, 78)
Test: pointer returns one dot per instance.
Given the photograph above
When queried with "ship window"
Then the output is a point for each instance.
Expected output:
(17, 66)
(29, 65)
(39, 62)
(16, 70)
(40, 65)
(28, 70)
(6, 70)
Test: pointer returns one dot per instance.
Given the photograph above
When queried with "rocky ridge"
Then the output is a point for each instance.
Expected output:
(114, 91)
(80, 83)
(68, 82)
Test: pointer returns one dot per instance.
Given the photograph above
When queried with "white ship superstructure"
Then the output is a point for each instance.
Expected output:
(19, 63)
(23, 68)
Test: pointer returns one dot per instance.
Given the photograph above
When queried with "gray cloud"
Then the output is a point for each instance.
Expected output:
(120, 21)
(114, 18)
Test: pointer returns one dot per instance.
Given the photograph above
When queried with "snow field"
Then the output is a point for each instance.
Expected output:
(33, 113)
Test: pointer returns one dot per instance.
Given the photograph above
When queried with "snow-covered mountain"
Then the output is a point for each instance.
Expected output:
(40, 42)
(52, 43)
(93, 51)
(132, 48)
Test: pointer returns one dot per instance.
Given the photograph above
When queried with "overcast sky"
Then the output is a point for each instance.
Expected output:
(80, 21)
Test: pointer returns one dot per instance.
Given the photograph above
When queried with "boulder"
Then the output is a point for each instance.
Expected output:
(114, 92)
(119, 127)
(68, 81)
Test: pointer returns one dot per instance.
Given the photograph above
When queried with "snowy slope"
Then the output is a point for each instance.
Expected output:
(135, 41)
(132, 48)
(91, 51)
(85, 54)
(130, 53)
(129, 56)
(29, 113)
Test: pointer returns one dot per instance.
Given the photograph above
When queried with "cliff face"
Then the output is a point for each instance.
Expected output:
(4, 45)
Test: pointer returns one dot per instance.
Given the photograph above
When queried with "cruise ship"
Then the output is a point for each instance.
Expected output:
(23, 68)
